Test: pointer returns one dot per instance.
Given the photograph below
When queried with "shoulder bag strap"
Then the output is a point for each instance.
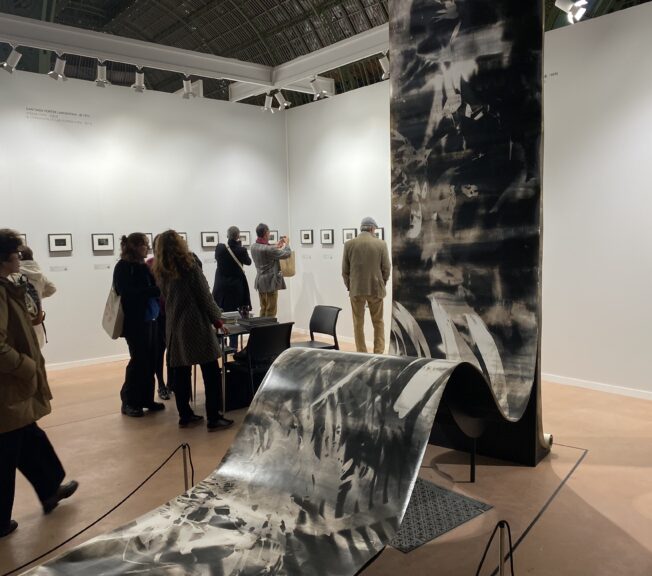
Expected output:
(234, 258)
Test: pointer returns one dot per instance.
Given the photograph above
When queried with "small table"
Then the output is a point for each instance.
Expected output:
(234, 330)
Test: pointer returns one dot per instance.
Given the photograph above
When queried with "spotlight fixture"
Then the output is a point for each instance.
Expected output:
(101, 80)
(268, 104)
(12, 61)
(574, 10)
(188, 92)
(139, 84)
(319, 88)
(59, 68)
(282, 102)
(384, 64)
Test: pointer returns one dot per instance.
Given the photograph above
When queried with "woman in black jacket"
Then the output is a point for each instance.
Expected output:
(139, 295)
(231, 289)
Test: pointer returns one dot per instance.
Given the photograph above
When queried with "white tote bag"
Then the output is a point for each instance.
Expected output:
(114, 318)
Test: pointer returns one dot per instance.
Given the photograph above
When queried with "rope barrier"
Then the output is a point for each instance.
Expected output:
(185, 447)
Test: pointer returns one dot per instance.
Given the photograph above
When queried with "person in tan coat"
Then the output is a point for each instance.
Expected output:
(366, 269)
(24, 397)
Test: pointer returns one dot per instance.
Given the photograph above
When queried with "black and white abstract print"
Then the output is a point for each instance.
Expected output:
(466, 189)
(316, 482)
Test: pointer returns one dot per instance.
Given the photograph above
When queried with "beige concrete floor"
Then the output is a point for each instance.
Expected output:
(599, 522)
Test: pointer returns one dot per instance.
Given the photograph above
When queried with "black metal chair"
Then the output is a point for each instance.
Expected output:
(263, 347)
(322, 321)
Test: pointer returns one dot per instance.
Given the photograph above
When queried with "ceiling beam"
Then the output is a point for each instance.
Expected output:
(19, 31)
(341, 53)
(299, 71)
(242, 90)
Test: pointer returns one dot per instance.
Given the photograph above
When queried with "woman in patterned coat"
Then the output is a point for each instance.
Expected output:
(192, 318)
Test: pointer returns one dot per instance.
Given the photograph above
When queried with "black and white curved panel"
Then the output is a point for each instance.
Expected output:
(466, 105)
(316, 482)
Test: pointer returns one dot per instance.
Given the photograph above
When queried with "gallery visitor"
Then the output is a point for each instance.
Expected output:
(164, 390)
(366, 269)
(43, 286)
(192, 320)
(269, 279)
(139, 295)
(24, 397)
(231, 289)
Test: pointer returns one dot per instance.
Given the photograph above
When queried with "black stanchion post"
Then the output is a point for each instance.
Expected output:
(502, 546)
(184, 448)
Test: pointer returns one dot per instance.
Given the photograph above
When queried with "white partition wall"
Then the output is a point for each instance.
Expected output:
(81, 159)
(597, 268)
(338, 172)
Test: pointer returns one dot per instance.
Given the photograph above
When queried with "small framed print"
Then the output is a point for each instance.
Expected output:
(184, 236)
(60, 242)
(326, 236)
(150, 241)
(349, 234)
(380, 233)
(23, 239)
(305, 236)
(273, 236)
(209, 239)
(245, 238)
(102, 242)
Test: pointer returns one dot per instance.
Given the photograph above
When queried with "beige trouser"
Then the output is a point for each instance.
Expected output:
(268, 303)
(376, 309)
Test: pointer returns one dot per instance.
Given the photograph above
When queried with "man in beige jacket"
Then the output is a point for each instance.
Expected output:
(366, 269)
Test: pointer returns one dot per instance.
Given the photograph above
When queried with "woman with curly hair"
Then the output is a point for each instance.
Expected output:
(192, 317)
(24, 397)
(139, 295)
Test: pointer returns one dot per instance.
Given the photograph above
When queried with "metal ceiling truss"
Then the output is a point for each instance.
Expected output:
(249, 79)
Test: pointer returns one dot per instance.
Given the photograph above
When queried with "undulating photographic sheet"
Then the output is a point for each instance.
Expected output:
(316, 482)
(466, 190)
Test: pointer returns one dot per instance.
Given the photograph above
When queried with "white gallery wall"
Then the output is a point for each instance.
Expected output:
(81, 159)
(338, 172)
(597, 263)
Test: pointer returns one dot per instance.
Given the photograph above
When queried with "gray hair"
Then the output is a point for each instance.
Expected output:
(233, 233)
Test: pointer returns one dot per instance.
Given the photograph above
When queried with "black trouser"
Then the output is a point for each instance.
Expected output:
(138, 389)
(212, 376)
(160, 350)
(27, 449)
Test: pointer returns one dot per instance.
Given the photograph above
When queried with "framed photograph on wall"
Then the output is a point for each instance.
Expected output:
(245, 238)
(60, 242)
(326, 236)
(102, 242)
(23, 239)
(380, 233)
(210, 239)
(273, 236)
(184, 236)
(349, 234)
(305, 236)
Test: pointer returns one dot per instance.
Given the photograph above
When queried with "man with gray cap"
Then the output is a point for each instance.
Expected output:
(366, 269)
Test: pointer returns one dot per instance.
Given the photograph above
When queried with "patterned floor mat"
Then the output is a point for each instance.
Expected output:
(433, 511)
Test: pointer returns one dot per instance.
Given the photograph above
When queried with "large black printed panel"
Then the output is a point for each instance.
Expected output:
(466, 188)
